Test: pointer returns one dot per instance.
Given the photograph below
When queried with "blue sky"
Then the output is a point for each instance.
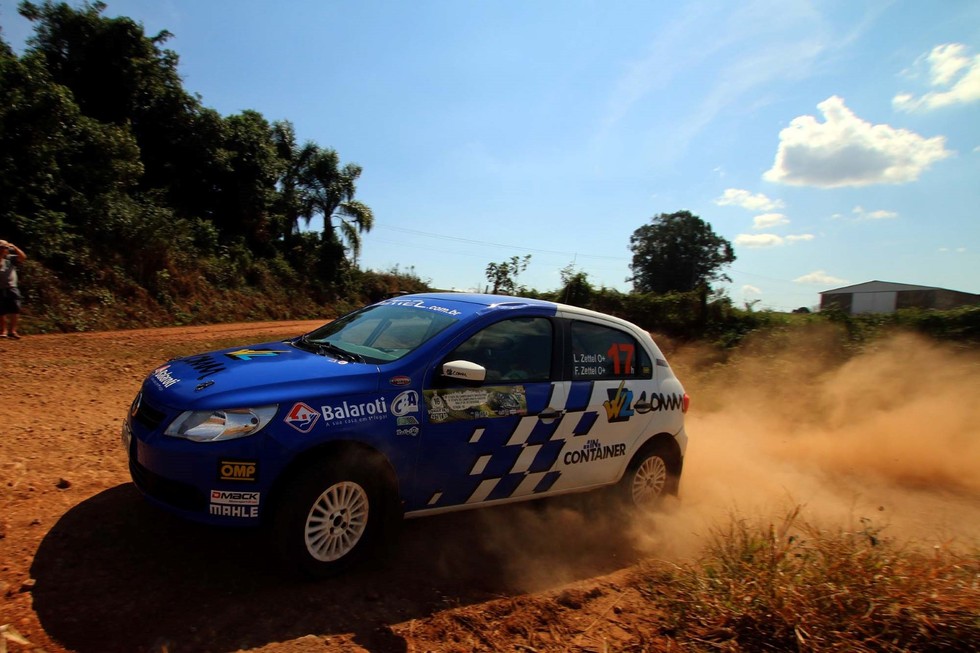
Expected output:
(832, 142)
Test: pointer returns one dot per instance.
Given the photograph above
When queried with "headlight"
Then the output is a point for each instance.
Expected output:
(214, 425)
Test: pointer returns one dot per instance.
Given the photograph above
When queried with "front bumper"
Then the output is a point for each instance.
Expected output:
(223, 483)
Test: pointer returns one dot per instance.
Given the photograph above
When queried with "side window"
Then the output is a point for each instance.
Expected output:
(602, 352)
(518, 349)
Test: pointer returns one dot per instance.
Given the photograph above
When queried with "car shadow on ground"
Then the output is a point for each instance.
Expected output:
(116, 574)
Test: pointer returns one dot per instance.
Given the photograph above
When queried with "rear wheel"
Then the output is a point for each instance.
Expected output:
(650, 477)
(330, 517)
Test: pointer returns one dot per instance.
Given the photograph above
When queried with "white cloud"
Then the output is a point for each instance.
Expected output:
(952, 72)
(750, 290)
(873, 215)
(958, 250)
(745, 199)
(758, 240)
(820, 278)
(847, 151)
(768, 220)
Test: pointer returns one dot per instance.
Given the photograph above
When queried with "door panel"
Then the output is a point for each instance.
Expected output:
(478, 455)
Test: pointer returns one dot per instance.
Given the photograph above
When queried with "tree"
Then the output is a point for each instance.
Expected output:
(678, 252)
(248, 186)
(329, 190)
(117, 75)
(288, 202)
(503, 276)
(575, 287)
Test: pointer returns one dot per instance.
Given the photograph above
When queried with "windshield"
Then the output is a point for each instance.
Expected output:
(376, 334)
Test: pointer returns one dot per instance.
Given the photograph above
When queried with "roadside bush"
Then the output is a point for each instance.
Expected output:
(794, 587)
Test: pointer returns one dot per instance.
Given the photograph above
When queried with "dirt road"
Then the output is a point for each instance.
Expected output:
(86, 565)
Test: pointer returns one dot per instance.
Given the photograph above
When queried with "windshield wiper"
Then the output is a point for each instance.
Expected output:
(343, 354)
(305, 343)
(323, 348)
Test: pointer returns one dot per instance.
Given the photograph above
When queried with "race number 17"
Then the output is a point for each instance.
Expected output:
(624, 350)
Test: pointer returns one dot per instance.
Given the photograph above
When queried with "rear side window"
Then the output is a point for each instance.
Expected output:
(603, 352)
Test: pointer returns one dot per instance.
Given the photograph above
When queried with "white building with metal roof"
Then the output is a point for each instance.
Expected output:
(888, 297)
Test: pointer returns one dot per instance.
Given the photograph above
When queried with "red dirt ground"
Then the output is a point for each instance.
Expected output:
(86, 565)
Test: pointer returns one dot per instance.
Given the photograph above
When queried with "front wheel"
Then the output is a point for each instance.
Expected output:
(329, 517)
(649, 478)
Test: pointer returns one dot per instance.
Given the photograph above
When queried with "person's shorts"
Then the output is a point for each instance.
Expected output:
(9, 301)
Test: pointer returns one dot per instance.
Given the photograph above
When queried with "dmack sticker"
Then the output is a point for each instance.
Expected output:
(495, 401)
(301, 417)
(226, 503)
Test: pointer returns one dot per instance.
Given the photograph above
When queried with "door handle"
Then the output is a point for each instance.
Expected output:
(550, 413)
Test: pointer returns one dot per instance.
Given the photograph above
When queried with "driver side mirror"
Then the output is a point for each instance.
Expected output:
(464, 371)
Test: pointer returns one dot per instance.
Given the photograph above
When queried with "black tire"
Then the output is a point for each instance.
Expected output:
(330, 516)
(650, 476)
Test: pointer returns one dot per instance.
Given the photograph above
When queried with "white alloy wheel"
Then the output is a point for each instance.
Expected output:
(336, 521)
(649, 481)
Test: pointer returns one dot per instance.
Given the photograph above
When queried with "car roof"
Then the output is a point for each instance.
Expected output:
(483, 299)
(510, 302)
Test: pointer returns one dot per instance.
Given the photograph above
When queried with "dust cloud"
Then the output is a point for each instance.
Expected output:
(888, 440)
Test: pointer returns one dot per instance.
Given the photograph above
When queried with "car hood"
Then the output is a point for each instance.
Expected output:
(265, 373)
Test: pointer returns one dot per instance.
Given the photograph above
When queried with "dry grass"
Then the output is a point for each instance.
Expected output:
(793, 587)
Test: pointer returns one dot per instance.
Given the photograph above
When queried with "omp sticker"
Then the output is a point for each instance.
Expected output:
(238, 470)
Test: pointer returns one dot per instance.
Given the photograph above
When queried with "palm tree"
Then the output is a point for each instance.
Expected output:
(328, 190)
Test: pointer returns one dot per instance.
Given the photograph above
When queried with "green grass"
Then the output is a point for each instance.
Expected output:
(794, 587)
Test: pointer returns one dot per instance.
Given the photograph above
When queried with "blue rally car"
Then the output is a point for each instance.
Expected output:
(409, 407)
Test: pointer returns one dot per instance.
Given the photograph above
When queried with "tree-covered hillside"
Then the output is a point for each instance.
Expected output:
(136, 202)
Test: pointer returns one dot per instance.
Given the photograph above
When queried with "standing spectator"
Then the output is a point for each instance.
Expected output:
(10, 257)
